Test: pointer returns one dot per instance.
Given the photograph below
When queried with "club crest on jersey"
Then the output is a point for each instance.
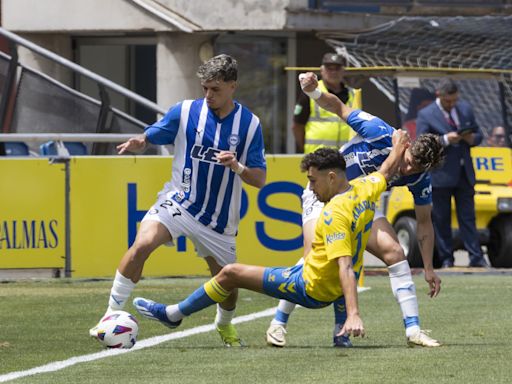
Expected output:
(234, 140)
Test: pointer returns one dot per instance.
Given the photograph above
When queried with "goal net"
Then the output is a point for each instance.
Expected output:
(481, 43)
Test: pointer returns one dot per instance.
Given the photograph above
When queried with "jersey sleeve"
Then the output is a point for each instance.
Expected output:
(164, 131)
(373, 185)
(256, 151)
(376, 131)
(302, 110)
(337, 239)
(422, 190)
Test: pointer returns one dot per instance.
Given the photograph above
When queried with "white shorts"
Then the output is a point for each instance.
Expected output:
(311, 207)
(181, 223)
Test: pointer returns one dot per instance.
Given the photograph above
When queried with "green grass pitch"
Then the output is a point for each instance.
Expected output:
(46, 321)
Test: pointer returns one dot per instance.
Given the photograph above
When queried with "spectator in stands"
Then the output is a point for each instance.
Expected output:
(498, 137)
(314, 126)
(218, 145)
(454, 121)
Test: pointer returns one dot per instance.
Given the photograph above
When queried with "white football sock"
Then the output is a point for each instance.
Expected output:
(173, 313)
(404, 291)
(223, 316)
(122, 288)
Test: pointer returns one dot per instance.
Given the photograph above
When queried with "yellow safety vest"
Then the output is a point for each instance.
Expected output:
(327, 129)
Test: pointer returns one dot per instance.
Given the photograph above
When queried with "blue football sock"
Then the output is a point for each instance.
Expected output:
(195, 302)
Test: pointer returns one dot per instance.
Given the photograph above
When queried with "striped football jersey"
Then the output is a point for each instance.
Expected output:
(209, 191)
(366, 152)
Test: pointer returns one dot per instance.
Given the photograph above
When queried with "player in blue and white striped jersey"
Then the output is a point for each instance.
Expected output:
(218, 143)
(364, 154)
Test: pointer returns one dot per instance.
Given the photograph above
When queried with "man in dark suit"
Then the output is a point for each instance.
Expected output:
(453, 119)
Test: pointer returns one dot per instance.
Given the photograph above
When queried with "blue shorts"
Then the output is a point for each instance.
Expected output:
(287, 283)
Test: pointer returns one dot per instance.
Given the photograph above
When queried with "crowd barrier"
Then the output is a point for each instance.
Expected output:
(80, 214)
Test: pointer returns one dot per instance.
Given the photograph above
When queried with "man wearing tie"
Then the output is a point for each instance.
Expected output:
(453, 119)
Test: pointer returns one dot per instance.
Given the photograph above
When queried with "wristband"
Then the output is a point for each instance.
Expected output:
(315, 95)
(239, 169)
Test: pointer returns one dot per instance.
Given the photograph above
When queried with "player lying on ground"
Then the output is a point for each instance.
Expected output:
(364, 154)
(330, 270)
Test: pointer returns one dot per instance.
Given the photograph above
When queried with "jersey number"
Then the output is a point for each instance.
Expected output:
(171, 207)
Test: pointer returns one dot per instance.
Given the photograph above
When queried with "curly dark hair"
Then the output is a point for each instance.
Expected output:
(323, 158)
(222, 67)
(428, 151)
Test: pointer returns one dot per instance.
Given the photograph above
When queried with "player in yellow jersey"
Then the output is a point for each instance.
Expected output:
(330, 270)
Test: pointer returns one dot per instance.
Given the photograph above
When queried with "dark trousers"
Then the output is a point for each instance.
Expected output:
(464, 194)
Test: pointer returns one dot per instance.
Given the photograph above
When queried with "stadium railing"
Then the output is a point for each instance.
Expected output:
(61, 147)
(33, 102)
(16, 148)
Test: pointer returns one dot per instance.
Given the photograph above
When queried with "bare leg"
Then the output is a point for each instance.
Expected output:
(150, 236)
(215, 268)
(218, 289)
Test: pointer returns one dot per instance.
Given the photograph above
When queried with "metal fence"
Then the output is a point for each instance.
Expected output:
(32, 102)
(373, 6)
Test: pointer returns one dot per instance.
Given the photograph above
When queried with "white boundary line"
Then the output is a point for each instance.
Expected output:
(146, 343)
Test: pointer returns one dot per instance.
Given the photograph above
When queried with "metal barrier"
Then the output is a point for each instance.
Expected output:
(373, 6)
(33, 102)
(60, 138)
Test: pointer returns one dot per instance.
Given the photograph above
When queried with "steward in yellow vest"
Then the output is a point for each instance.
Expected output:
(313, 126)
(326, 129)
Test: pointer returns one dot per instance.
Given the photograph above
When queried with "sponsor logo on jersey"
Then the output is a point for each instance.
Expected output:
(365, 116)
(332, 237)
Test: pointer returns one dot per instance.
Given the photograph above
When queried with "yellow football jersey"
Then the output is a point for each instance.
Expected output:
(341, 230)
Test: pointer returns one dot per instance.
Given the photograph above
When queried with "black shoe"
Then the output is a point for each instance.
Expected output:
(480, 263)
(447, 264)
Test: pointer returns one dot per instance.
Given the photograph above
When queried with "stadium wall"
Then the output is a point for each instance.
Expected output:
(108, 198)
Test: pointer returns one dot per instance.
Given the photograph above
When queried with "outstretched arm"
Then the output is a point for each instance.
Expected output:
(134, 144)
(425, 236)
(401, 142)
(353, 325)
(309, 84)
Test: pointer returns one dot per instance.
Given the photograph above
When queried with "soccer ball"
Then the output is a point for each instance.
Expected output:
(118, 329)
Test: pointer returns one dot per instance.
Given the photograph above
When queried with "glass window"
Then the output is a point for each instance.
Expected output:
(261, 82)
